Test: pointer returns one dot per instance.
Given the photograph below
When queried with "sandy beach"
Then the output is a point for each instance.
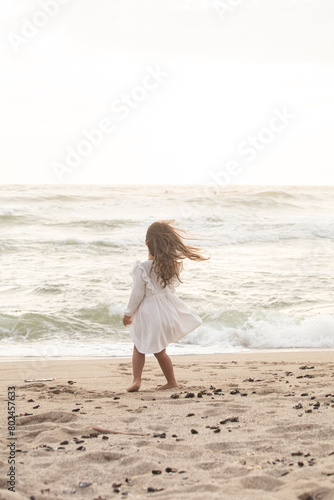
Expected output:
(248, 425)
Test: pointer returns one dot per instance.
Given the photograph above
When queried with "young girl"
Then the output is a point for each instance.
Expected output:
(156, 316)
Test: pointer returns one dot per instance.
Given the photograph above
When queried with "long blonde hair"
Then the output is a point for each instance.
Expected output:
(165, 243)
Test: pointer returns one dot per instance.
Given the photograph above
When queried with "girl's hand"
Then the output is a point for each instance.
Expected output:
(126, 320)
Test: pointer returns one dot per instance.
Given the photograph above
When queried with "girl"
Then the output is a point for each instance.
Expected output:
(156, 316)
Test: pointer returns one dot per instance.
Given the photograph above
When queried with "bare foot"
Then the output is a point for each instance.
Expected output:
(134, 387)
(169, 385)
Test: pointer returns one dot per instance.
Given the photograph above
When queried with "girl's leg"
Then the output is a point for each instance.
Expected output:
(138, 361)
(166, 366)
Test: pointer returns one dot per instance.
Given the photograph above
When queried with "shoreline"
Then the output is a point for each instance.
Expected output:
(174, 356)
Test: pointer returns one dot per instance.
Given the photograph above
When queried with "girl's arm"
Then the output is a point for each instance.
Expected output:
(137, 294)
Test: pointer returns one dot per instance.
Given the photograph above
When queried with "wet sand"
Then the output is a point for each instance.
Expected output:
(240, 426)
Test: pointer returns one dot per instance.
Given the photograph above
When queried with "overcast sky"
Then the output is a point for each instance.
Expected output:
(167, 91)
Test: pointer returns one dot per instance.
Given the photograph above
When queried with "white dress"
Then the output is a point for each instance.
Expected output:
(159, 317)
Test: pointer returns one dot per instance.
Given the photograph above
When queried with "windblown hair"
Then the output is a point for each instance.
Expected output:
(168, 250)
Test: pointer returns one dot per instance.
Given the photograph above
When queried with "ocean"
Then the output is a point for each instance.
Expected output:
(67, 251)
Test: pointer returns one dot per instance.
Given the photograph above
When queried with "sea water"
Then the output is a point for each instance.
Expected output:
(67, 251)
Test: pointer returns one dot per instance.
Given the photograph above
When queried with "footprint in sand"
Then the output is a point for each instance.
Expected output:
(265, 483)
(50, 416)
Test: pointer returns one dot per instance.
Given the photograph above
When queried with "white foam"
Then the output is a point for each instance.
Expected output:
(274, 333)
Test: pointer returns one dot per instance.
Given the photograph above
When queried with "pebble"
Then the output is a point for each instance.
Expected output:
(84, 484)
(229, 419)
(170, 469)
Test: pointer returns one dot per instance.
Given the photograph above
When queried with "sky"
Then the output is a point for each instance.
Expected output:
(167, 92)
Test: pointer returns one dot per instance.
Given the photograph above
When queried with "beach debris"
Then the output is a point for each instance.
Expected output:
(214, 427)
(234, 391)
(298, 406)
(153, 490)
(170, 470)
(215, 391)
(301, 464)
(200, 394)
(108, 431)
(35, 407)
(76, 409)
(163, 435)
(243, 394)
(284, 473)
(194, 431)
(71, 382)
(84, 484)
(90, 435)
(156, 471)
(39, 379)
(189, 395)
(190, 415)
(32, 400)
(81, 448)
(105, 437)
(316, 405)
(45, 447)
(305, 367)
(297, 453)
(65, 442)
(174, 435)
(304, 394)
(175, 396)
(78, 441)
(117, 397)
(308, 411)
(288, 374)
(248, 380)
(229, 419)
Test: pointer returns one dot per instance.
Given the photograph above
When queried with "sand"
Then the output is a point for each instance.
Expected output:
(263, 428)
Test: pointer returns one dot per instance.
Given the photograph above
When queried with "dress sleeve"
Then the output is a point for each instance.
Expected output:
(138, 290)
